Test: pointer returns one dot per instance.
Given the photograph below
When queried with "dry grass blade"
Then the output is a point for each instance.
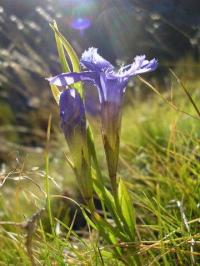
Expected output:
(168, 102)
(186, 92)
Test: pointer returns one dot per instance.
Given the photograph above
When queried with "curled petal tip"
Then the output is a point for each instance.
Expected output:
(153, 64)
(95, 62)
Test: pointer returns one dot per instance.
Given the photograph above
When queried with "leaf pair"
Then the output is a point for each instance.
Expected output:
(63, 46)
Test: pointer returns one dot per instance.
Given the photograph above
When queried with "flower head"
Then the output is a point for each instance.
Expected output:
(111, 85)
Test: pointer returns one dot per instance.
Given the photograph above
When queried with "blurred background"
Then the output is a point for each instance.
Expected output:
(166, 29)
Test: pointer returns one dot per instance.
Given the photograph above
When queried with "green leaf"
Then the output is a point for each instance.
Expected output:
(56, 93)
(107, 231)
(71, 54)
(69, 49)
(88, 219)
(93, 153)
(127, 209)
(108, 201)
(61, 53)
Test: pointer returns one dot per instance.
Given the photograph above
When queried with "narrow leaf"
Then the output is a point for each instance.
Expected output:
(56, 93)
(107, 200)
(69, 49)
(127, 209)
(72, 56)
(61, 53)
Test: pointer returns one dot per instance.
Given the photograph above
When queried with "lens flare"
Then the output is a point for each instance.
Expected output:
(80, 23)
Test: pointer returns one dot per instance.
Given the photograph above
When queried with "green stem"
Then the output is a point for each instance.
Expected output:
(114, 186)
(91, 206)
(48, 200)
(93, 153)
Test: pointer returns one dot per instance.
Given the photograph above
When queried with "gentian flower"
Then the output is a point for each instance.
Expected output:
(111, 86)
(73, 124)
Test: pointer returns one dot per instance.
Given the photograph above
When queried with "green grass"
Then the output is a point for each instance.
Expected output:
(160, 164)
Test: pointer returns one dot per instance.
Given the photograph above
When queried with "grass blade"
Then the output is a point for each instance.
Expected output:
(186, 92)
(127, 209)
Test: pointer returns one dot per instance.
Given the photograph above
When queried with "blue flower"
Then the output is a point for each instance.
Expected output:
(111, 85)
(73, 124)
